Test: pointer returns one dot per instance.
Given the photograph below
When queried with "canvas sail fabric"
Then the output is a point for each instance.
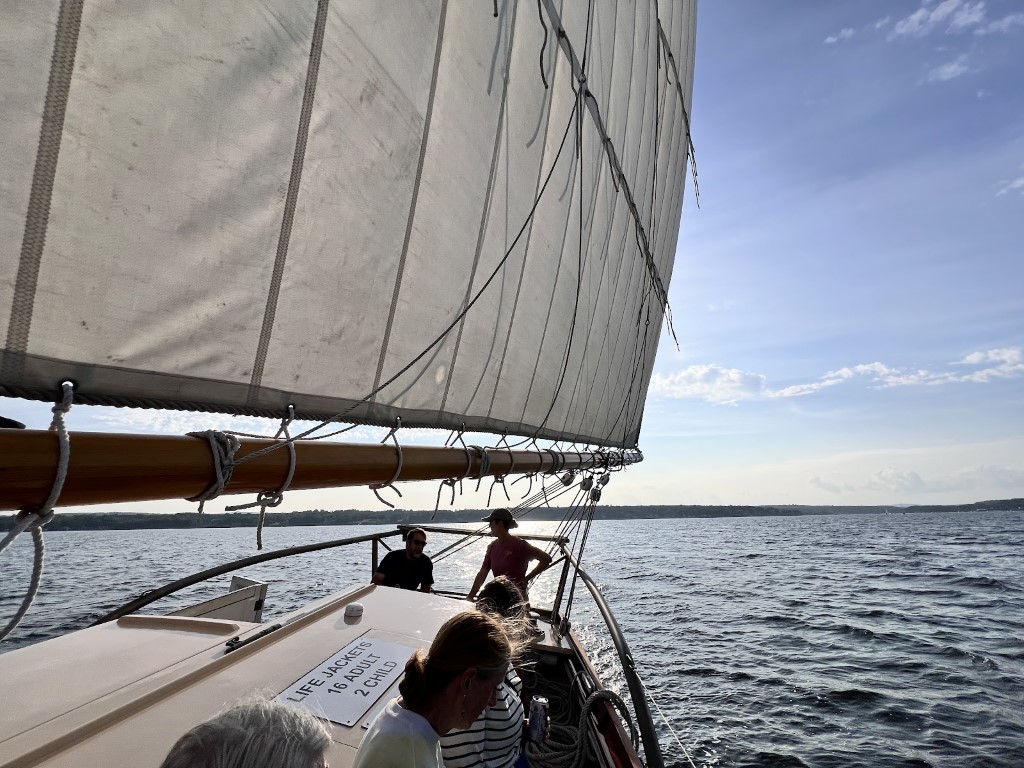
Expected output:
(288, 202)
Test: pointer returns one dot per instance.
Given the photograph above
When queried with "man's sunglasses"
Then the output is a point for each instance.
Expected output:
(418, 542)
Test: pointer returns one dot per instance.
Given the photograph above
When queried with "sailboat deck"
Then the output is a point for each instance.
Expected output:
(135, 685)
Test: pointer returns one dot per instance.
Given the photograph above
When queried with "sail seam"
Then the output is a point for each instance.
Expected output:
(529, 235)
(291, 200)
(595, 112)
(485, 213)
(413, 202)
(613, 370)
(37, 215)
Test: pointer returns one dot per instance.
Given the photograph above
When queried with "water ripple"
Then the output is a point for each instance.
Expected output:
(876, 641)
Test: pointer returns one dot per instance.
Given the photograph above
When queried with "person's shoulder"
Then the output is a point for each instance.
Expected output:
(390, 558)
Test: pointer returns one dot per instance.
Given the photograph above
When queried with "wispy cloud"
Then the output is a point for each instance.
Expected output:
(904, 482)
(728, 386)
(1012, 186)
(882, 22)
(895, 480)
(949, 15)
(949, 70)
(994, 364)
(843, 34)
(1002, 26)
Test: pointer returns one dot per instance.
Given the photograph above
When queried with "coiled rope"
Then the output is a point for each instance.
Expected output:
(567, 745)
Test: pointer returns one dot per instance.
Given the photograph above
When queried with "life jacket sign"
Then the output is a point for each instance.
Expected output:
(344, 687)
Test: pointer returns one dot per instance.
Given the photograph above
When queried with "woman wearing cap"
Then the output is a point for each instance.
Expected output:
(509, 555)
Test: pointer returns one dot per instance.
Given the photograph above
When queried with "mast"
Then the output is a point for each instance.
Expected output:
(107, 468)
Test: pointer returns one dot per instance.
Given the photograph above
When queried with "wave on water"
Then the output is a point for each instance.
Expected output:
(874, 641)
(982, 582)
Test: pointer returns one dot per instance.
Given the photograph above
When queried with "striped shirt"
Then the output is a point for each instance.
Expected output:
(495, 739)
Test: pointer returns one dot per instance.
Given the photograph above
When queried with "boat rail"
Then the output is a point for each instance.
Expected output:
(559, 623)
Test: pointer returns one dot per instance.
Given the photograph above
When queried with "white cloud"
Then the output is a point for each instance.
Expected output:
(843, 34)
(895, 480)
(905, 483)
(1005, 355)
(728, 386)
(1005, 24)
(726, 305)
(968, 15)
(824, 485)
(970, 478)
(949, 70)
(712, 383)
(953, 15)
(1011, 186)
(882, 22)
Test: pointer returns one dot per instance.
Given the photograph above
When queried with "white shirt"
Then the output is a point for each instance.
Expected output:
(399, 738)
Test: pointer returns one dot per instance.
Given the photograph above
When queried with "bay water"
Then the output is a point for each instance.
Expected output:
(848, 640)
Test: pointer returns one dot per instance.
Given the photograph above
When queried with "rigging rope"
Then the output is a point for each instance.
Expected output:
(266, 499)
(223, 446)
(34, 520)
(398, 468)
(672, 730)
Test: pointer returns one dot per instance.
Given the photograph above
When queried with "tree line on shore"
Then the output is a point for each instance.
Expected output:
(98, 521)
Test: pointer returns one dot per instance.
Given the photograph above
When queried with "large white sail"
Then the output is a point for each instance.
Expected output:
(235, 209)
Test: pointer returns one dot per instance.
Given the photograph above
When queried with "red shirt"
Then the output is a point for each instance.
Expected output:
(509, 557)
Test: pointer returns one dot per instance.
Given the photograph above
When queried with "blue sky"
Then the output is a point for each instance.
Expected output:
(849, 297)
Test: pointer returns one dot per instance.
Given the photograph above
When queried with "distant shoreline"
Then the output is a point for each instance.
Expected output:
(110, 521)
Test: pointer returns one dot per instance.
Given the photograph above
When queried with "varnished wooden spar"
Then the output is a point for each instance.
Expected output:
(110, 468)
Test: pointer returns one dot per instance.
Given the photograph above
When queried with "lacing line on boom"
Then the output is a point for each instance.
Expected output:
(455, 437)
(266, 499)
(223, 446)
(398, 469)
(34, 520)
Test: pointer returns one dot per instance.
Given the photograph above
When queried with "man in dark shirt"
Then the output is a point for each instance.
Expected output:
(410, 569)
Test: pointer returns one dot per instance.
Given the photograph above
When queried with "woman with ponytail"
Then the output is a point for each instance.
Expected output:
(443, 689)
(495, 739)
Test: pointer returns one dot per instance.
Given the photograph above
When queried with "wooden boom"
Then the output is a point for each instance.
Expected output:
(107, 468)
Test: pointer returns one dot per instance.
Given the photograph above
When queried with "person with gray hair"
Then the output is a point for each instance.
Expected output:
(257, 733)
